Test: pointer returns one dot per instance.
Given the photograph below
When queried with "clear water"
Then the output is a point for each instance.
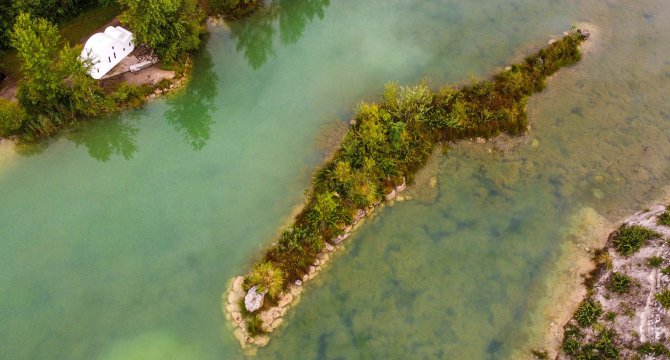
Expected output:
(118, 238)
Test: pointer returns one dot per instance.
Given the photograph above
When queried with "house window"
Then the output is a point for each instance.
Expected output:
(109, 58)
(112, 47)
(114, 55)
(124, 49)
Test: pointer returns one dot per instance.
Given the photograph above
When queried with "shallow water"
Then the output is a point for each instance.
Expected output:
(119, 237)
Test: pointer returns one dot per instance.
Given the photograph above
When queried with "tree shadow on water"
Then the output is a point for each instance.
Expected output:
(255, 35)
(105, 138)
(190, 112)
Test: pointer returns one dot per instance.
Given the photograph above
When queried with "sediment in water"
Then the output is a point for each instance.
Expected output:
(406, 126)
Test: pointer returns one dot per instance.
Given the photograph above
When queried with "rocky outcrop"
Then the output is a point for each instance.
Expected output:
(624, 290)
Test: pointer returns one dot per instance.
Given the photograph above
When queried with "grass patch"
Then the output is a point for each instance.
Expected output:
(610, 316)
(588, 312)
(653, 349)
(664, 218)
(663, 298)
(629, 239)
(654, 261)
(619, 283)
(79, 29)
(665, 270)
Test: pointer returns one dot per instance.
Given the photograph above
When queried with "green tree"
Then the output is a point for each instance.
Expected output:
(12, 116)
(55, 86)
(170, 28)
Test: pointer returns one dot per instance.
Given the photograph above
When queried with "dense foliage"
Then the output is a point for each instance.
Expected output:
(12, 116)
(391, 140)
(55, 11)
(56, 87)
(171, 28)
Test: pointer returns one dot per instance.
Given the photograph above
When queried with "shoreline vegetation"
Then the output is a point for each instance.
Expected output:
(54, 91)
(624, 311)
(387, 143)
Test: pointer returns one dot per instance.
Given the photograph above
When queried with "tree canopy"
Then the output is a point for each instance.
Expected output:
(55, 87)
(169, 27)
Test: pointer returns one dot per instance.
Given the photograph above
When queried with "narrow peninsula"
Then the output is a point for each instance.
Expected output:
(387, 143)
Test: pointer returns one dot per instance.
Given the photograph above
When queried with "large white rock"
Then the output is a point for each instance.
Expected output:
(254, 300)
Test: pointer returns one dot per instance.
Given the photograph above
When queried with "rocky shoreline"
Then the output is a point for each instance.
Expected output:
(272, 315)
(623, 314)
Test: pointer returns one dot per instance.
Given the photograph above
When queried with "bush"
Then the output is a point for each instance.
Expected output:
(588, 312)
(664, 218)
(629, 239)
(663, 298)
(653, 349)
(255, 325)
(12, 117)
(129, 95)
(619, 283)
(665, 270)
(654, 261)
(268, 278)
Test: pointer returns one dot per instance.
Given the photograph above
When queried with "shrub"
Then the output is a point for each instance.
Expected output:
(588, 312)
(653, 349)
(12, 117)
(129, 95)
(629, 239)
(268, 278)
(664, 218)
(654, 261)
(665, 270)
(663, 298)
(610, 316)
(255, 325)
(605, 346)
(619, 283)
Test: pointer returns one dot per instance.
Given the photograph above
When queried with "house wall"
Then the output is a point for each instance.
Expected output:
(106, 52)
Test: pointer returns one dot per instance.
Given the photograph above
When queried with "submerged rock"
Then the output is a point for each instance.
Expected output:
(254, 300)
(402, 186)
(340, 238)
(360, 213)
(285, 300)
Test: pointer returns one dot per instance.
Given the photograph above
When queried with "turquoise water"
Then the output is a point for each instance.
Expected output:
(119, 237)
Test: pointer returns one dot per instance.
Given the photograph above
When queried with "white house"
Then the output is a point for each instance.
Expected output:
(106, 49)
